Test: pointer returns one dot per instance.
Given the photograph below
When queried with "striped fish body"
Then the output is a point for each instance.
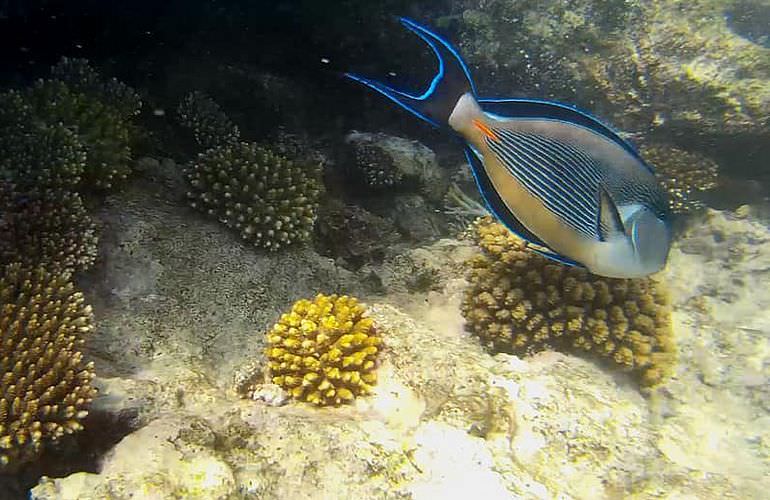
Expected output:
(548, 174)
(554, 175)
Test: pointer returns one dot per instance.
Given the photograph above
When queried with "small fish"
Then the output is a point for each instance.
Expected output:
(554, 175)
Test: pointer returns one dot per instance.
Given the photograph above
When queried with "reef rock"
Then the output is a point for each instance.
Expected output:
(646, 65)
(446, 418)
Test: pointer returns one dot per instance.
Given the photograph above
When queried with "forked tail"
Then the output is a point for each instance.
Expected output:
(450, 83)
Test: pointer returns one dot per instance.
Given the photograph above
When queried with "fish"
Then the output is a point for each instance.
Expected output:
(553, 174)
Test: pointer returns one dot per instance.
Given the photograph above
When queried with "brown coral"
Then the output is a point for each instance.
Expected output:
(324, 351)
(46, 386)
(520, 302)
(48, 227)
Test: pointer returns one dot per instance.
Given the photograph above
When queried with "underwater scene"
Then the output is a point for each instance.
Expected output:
(304, 249)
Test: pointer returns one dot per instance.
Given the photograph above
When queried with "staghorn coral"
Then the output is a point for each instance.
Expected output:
(39, 155)
(46, 386)
(46, 227)
(101, 129)
(521, 302)
(210, 125)
(324, 351)
(683, 174)
(267, 198)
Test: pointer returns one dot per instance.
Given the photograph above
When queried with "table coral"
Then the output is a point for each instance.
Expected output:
(520, 302)
(324, 351)
(46, 227)
(268, 199)
(45, 388)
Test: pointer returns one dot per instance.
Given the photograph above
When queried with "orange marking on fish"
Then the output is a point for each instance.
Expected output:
(486, 130)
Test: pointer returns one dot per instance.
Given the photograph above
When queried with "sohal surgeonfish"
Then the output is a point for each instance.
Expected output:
(554, 175)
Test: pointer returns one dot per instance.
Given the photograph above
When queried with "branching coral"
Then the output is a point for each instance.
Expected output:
(39, 155)
(324, 351)
(209, 124)
(46, 227)
(521, 302)
(78, 74)
(46, 386)
(102, 130)
(684, 174)
(267, 198)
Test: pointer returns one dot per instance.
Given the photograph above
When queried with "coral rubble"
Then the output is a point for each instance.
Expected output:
(521, 302)
(268, 199)
(324, 351)
(46, 386)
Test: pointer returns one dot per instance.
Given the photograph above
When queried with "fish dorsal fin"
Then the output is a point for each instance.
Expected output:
(560, 175)
(552, 110)
(609, 217)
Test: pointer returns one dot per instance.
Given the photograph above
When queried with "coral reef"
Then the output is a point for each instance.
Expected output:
(324, 351)
(39, 155)
(209, 124)
(102, 130)
(684, 174)
(178, 319)
(374, 165)
(384, 161)
(351, 233)
(646, 65)
(521, 302)
(46, 227)
(46, 386)
(267, 198)
(79, 76)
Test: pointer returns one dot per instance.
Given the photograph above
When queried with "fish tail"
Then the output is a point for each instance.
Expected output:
(451, 82)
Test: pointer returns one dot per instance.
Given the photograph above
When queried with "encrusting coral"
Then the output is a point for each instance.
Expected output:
(520, 302)
(324, 351)
(209, 124)
(45, 388)
(683, 174)
(268, 199)
(46, 227)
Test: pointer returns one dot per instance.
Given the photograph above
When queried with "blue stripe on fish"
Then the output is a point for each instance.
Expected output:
(571, 197)
(614, 213)
(552, 110)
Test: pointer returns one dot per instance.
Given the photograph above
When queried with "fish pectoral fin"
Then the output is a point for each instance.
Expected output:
(609, 217)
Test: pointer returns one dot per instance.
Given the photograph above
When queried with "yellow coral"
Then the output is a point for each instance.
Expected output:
(45, 386)
(521, 302)
(324, 351)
